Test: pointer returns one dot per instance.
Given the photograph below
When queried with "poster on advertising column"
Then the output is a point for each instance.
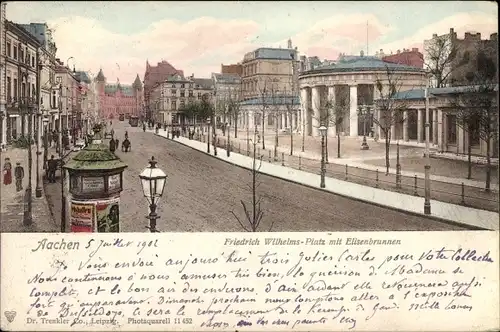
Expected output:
(82, 217)
(108, 216)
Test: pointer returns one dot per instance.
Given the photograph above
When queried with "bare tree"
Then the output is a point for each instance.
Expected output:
(223, 110)
(234, 107)
(477, 106)
(290, 112)
(442, 59)
(264, 91)
(276, 105)
(254, 214)
(389, 109)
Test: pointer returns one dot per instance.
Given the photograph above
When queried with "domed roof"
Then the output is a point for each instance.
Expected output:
(361, 63)
(100, 76)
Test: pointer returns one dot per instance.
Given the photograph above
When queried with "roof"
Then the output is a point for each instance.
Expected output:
(137, 83)
(176, 78)
(159, 73)
(226, 78)
(275, 53)
(204, 83)
(127, 90)
(95, 157)
(361, 63)
(273, 100)
(100, 76)
(83, 77)
(417, 94)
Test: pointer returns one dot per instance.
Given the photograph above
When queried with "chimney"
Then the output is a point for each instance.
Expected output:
(290, 43)
(452, 31)
(415, 49)
(434, 35)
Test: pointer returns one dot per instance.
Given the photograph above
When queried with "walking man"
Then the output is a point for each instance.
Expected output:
(52, 166)
(19, 174)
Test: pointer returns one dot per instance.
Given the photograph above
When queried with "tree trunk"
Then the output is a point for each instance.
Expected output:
(263, 140)
(387, 148)
(488, 165)
(236, 125)
(338, 144)
(291, 142)
(276, 140)
(469, 155)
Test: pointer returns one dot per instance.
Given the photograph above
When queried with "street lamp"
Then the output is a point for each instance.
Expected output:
(28, 217)
(364, 111)
(228, 140)
(427, 199)
(38, 188)
(208, 135)
(45, 141)
(322, 131)
(153, 181)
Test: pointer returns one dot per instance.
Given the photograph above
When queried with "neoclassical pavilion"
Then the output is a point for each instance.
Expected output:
(445, 133)
(352, 79)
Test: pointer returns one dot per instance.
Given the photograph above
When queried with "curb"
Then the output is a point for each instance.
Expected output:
(439, 219)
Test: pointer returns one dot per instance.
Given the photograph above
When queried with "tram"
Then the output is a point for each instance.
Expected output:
(133, 121)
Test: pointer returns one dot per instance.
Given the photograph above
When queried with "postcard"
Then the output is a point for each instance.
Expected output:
(268, 165)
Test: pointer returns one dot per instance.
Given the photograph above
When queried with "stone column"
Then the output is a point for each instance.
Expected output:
(405, 126)
(315, 96)
(353, 110)
(420, 120)
(303, 111)
(462, 141)
(250, 120)
(332, 131)
(435, 127)
(3, 125)
(440, 130)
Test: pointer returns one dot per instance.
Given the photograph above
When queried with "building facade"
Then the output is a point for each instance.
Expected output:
(234, 69)
(116, 99)
(269, 69)
(350, 82)
(67, 98)
(227, 89)
(169, 97)
(445, 132)
(21, 59)
(3, 99)
(153, 76)
(406, 57)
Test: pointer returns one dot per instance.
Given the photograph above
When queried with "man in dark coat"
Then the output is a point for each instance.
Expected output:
(51, 172)
(19, 174)
(112, 145)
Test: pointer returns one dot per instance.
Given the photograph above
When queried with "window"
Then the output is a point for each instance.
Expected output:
(199, 95)
(54, 101)
(15, 52)
(9, 89)
(173, 85)
(23, 89)
(33, 89)
(173, 92)
(33, 61)
(182, 93)
(21, 55)
(8, 48)
(182, 103)
(182, 86)
(15, 88)
(270, 120)
(190, 93)
(29, 90)
(174, 105)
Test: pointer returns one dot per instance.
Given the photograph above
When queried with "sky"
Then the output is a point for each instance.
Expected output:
(197, 37)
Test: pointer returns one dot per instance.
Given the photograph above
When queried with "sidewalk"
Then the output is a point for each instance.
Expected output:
(455, 213)
(411, 160)
(11, 202)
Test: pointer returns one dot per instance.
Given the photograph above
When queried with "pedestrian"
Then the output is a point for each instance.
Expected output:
(112, 145)
(126, 134)
(117, 143)
(19, 174)
(52, 166)
(7, 172)
(54, 137)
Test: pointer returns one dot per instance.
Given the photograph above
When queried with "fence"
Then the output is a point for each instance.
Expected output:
(440, 191)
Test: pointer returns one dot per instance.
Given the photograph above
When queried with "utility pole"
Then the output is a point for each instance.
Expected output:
(61, 157)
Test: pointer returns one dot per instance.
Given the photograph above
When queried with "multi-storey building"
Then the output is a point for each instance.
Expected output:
(153, 76)
(406, 57)
(269, 69)
(234, 69)
(68, 103)
(227, 89)
(21, 50)
(47, 56)
(169, 97)
(116, 99)
(3, 99)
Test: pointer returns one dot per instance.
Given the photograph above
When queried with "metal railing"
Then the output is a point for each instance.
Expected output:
(460, 194)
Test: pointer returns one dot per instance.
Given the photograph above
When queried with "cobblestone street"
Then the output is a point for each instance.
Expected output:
(201, 192)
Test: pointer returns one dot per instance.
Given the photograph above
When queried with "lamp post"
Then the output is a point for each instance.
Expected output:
(28, 217)
(153, 181)
(45, 142)
(38, 188)
(322, 131)
(228, 140)
(208, 135)
(427, 200)
(364, 111)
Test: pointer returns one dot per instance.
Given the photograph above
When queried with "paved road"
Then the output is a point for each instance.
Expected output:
(201, 191)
